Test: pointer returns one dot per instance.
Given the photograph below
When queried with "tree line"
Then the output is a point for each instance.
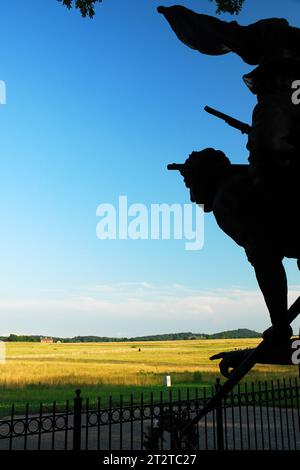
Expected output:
(231, 334)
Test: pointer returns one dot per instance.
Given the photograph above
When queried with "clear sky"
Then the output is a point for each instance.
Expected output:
(97, 109)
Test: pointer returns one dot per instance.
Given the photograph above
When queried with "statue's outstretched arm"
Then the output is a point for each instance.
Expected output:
(255, 44)
(204, 33)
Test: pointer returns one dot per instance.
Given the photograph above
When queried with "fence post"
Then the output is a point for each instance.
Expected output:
(77, 421)
(219, 416)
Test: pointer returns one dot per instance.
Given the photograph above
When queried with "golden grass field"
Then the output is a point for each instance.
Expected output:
(120, 363)
(35, 371)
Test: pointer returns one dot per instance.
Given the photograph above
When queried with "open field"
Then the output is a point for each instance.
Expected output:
(36, 372)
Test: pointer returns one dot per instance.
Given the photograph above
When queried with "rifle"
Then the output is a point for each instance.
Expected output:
(241, 126)
(236, 168)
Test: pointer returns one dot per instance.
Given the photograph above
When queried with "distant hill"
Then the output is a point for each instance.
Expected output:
(236, 334)
(231, 334)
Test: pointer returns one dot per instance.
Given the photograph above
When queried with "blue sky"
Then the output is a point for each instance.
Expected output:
(97, 109)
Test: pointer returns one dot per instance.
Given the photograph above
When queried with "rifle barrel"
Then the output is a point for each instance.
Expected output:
(176, 166)
(215, 112)
(241, 126)
(236, 168)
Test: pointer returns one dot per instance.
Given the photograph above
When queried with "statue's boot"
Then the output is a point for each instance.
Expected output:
(278, 336)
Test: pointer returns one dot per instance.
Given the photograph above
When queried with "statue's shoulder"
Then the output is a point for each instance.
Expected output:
(234, 192)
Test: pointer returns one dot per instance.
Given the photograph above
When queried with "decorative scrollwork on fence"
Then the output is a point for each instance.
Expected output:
(30, 426)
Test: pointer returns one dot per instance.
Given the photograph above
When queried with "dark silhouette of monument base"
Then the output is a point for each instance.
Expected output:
(238, 373)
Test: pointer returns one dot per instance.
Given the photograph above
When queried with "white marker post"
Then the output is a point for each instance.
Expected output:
(167, 381)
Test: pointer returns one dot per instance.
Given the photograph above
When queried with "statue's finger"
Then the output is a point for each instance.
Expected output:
(217, 356)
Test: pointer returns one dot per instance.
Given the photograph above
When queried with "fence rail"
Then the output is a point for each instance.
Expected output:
(256, 416)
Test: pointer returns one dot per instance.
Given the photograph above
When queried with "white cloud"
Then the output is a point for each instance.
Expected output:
(143, 308)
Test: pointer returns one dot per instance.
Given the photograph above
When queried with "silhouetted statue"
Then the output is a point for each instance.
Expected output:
(259, 209)
(232, 359)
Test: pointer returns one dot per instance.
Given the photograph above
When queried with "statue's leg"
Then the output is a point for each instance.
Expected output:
(272, 280)
(271, 277)
(252, 222)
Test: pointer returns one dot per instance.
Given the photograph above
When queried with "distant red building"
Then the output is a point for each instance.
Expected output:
(46, 340)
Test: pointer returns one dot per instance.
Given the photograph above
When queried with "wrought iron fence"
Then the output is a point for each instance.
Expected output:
(263, 416)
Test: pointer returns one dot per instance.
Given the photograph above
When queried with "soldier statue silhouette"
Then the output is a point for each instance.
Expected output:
(255, 204)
